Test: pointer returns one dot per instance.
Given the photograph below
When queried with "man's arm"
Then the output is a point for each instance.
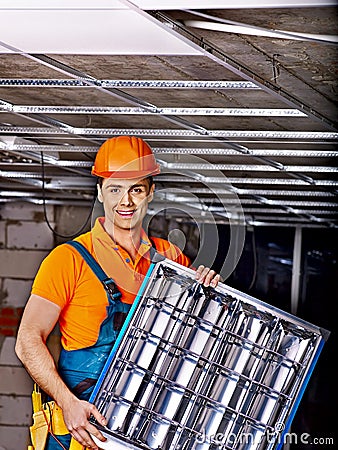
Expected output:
(38, 320)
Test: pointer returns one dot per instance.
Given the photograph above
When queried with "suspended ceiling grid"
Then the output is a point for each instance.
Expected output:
(244, 125)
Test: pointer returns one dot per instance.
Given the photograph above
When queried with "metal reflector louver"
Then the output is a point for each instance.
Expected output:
(198, 368)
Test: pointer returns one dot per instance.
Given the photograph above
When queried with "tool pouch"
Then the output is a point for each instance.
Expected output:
(47, 418)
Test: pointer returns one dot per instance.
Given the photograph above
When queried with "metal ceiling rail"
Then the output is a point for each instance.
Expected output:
(234, 211)
(90, 181)
(285, 209)
(51, 160)
(224, 192)
(257, 220)
(123, 110)
(246, 180)
(282, 211)
(51, 181)
(250, 167)
(261, 221)
(252, 201)
(218, 55)
(310, 135)
(49, 62)
(274, 220)
(58, 195)
(174, 166)
(55, 202)
(251, 152)
(67, 148)
(49, 148)
(129, 84)
(219, 193)
(231, 201)
(116, 92)
(39, 118)
(274, 192)
(68, 183)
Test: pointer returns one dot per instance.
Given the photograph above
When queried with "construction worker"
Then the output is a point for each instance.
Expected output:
(66, 289)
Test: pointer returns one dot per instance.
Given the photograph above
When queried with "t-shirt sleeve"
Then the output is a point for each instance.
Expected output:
(171, 251)
(57, 275)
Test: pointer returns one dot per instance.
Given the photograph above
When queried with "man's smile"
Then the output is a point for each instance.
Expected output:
(125, 213)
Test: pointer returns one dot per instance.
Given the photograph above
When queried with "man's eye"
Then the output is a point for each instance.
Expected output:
(114, 190)
(138, 190)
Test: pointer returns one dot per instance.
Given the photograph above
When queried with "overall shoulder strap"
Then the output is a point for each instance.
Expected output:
(108, 283)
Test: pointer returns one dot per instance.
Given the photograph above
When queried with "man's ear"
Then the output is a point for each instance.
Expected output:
(151, 193)
(99, 193)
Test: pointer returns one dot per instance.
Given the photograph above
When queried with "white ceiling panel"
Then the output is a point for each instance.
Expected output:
(228, 4)
(62, 4)
(100, 32)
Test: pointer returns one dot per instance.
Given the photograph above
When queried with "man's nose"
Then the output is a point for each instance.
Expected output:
(126, 199)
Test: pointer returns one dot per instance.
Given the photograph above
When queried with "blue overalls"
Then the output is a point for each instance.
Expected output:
(80, 369)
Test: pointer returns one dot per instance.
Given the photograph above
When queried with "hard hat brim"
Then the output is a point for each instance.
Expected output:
(127, 174)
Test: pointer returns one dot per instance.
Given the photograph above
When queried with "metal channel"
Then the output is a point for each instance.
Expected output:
(129, 84)
(67, 148)
(144, 132)
(124, 110)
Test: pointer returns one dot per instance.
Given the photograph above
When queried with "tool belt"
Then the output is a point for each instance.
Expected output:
(47, 418)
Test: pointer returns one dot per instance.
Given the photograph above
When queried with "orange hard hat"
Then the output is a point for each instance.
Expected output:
(125, 157)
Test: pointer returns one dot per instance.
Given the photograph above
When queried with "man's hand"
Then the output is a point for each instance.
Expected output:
(207, 277)
(31, 349)
(76, 417)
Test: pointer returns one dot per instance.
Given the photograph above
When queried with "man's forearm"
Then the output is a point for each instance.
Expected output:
(39, 363)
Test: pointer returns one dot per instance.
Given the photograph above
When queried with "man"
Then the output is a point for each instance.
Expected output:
(67, 291)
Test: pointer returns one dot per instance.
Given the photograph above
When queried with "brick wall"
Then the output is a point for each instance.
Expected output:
(25, 239)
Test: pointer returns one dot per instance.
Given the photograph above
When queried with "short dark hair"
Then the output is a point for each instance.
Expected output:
(149, 179)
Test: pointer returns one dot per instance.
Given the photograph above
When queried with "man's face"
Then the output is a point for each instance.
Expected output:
(125, 202)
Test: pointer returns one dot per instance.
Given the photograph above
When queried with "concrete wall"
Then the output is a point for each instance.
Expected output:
(25, 239)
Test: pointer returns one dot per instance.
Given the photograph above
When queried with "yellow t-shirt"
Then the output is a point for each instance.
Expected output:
(66, 279)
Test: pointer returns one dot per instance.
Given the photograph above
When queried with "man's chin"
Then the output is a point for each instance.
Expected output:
(126, 224)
